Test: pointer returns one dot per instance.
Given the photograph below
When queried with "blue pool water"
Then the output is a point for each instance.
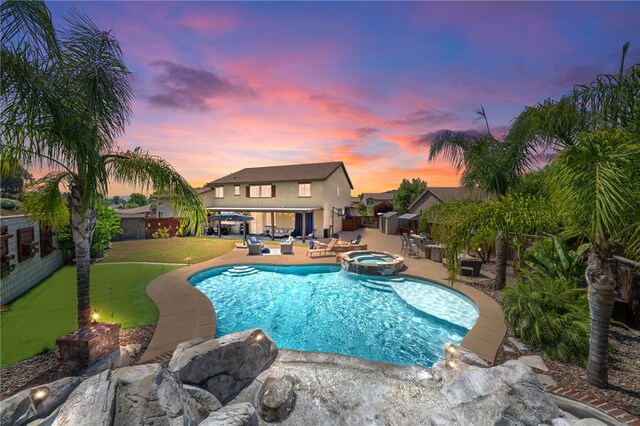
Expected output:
(325, 309)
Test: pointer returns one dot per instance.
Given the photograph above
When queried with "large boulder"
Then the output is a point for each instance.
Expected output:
(224, 366)
(140, 395)
(28, 405)
(206, 401)
(507, 394)
(243, 414)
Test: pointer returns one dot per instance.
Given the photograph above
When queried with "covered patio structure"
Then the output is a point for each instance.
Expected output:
(269, 220)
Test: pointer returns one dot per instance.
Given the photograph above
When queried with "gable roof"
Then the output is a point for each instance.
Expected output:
(292, 172)
(387, 195)
(450, 193)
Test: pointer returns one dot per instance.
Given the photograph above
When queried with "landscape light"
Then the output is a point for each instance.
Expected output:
(259, 337)
(479, 249)
(450, 364)
(39, 395)
(95, 315)
(451, 348)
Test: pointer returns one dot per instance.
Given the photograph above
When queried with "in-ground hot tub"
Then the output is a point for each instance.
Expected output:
(372, 262)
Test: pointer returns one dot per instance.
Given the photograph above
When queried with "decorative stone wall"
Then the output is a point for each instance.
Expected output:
(88, 344)
(31, 271)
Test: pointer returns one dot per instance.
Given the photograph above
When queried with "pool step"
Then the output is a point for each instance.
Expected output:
(376, 285)
(240, 271)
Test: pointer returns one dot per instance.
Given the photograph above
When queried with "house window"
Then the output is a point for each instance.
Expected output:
(160, 215)
(236, 190)
(219, 192)
(262, 191)
(338, 191)
(304, 190)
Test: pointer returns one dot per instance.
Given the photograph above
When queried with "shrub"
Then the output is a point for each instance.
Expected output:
(161, 233)
(550, 258)
(551, 314)
(382, 207)
(9, 204)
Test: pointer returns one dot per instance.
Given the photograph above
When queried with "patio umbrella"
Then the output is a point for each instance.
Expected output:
(231, 217)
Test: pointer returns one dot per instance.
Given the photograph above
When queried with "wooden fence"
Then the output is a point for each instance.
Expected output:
(627, 305)
(370, 222)
(151, 225)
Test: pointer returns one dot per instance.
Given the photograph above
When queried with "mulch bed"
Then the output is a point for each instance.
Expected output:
(624, 371)
(41, 368)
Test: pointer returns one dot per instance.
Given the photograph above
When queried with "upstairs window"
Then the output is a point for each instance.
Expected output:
(236, 190)
(219, 192)
(338, 191)
(262, 191)
(304, 190)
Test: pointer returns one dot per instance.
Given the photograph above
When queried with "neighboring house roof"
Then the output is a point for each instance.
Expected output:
(7, 213)
(409, 216)
(380, 196)
(387, 215)
(450, 193)
(134, 212)
(292, 172)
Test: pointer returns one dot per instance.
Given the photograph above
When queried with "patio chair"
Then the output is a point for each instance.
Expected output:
(254, 248)
(286, 246)
(324, 249)
(254, 240)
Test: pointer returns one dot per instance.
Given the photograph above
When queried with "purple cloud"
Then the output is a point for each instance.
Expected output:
(181, 87)
(575, 75)
(363, 132)
(428, 117)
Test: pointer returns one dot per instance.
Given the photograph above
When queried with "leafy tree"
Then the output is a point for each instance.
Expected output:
(65, 102)
(115, 200)
(12, 181)
(512, 214)
(137, 200)
(593, 181)
(382, 207)
(406, 194)
(487, 163)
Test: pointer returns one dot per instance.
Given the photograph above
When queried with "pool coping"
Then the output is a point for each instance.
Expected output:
(186, 313)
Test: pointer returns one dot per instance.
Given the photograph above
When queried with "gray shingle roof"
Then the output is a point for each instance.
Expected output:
(292, 172)
(449, 193)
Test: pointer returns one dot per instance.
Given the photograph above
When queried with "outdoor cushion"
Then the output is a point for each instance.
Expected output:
(311, 244)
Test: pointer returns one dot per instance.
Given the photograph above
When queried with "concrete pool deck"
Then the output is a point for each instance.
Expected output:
(185, 313)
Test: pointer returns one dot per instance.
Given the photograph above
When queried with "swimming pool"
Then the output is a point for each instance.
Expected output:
(323, 308)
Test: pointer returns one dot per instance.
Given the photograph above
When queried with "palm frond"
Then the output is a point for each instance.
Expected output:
(100, 74)
(452, 146)
(28, 22)
(43, 200)
(140, 169)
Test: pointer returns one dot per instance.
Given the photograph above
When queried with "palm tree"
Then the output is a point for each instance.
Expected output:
(486, 163)
(596, 131)
(65, 101)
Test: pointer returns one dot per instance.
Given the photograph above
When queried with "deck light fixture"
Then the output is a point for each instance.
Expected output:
(450, 364)
(451, 348)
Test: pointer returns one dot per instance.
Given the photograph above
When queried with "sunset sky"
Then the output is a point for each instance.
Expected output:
(224, 86)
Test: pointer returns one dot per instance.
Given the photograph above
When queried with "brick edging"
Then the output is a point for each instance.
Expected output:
(599, 404)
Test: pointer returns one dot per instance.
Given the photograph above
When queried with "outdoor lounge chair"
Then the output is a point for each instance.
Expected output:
(255, 246)
(286, 246)
(322, 248)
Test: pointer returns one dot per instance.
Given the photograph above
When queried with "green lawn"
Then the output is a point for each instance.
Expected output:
(174, 250)
(169, 250)
(48, 310)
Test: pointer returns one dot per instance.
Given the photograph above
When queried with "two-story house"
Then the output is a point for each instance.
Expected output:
(298, 197)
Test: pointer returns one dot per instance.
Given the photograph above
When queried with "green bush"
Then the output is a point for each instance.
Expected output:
(551, 314)
(550, 258)
(9, 204)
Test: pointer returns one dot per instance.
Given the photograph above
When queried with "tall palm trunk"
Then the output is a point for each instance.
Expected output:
(501, 261)
(601, 293)
(82, 225)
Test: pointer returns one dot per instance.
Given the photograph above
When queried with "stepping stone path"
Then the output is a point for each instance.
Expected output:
(518, 344)
(534, 361)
